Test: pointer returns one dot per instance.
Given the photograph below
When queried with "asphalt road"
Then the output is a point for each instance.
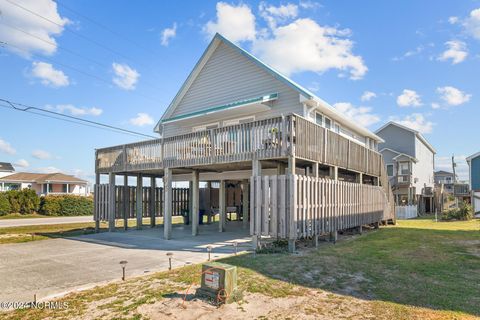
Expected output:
(43, 221)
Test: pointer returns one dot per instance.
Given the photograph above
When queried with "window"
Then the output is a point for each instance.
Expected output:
(318, 119)
(390, 170)
(206, 127)
(65, 188)
(328, 123)
(336, 128)
(238, 121)
(404, 168)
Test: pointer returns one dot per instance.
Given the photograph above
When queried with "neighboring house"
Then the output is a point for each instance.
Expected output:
(6, 169)
(237, 120)
(474, 176)
(410, 162)
(44, 183)
(448, 189)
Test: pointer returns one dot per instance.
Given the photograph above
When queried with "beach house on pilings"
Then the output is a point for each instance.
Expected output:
(301, 169)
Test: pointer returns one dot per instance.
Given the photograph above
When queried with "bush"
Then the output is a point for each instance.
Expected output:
(464, 212)
(23, 201)
(5, 207)
(66, 205)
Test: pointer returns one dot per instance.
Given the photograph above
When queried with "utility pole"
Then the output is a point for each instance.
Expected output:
(453, 167)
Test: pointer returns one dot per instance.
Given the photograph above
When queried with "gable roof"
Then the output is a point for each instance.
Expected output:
(42, 178)
(442, 172)
(6, 167)
(399, 154)
(307, 95)
(417, 133)
(473, 156)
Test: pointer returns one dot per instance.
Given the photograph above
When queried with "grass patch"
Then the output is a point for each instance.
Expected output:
(419, 269)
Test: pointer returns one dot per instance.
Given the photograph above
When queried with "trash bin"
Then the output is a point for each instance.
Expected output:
(186, 217)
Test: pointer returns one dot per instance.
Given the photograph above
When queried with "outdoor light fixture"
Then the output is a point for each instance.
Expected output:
(235, 245)
(209, 250)
(169, 255)
(123, 263)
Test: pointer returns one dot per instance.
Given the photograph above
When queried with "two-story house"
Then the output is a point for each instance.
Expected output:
(410, 162)
(237, 120)
(474, 177)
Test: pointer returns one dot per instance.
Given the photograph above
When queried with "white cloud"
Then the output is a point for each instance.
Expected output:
(415, 121)
(49, 169)
(6, 147)
(409, 98)
(274, 15)
(125, 77)
(22, 163)
(472, 23)
(141, 119)
(304, 45)
(168, 34)
(309, 4)
(456, 51)
(23, 44)
(453, 20)
(435, 105)
(368, 95)
(445, 163)
(76, 111)
(453, 96)
(49, 75)
(41, 154)
(361, 115)
(236, 23)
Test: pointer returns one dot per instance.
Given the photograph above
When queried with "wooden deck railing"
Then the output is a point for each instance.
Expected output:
(263, 139)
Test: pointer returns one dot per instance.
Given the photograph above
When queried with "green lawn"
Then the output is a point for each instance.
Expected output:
(419, 269)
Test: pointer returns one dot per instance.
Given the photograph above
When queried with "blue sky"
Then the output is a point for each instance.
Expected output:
(416, 62)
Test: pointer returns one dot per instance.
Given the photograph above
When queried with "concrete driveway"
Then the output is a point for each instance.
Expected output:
(43, 221)
(57, 266)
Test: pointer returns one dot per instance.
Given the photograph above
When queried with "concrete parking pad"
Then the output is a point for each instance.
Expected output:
(52, 267)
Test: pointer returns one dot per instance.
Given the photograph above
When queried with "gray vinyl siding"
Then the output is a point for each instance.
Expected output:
(397, 139)
(229, 76)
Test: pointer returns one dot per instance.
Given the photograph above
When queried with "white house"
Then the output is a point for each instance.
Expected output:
(44, 183)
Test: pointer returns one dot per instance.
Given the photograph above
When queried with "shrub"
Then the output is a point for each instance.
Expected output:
(5, 207)
(23, 201)
(464, 212)
(66, 205)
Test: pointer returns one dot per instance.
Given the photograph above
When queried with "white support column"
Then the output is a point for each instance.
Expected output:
(96, 213)
(208, 202)
(126, 202)
(222, 205)
(195, 201)
(256, 171)
(152, 199)
(139, 201)
(315, 169)
(68, 188)
(334, 173)
(291, 165)
(111, 202)
(167, 204)
(360, 178)
(245, 204)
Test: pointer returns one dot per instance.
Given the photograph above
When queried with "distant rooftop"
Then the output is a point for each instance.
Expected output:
(42, 178)
(6, 167)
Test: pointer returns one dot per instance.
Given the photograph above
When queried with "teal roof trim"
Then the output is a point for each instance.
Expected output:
(236, 104)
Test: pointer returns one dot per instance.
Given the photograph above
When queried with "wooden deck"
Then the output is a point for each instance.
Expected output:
(273, 138)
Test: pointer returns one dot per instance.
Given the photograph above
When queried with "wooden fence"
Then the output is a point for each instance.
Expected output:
(296, 206)
(180, 202)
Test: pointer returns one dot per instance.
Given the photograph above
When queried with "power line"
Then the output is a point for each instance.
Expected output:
(101, 25)
(69, 30)
(64, 117)
(77, 70)
(72, 52)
